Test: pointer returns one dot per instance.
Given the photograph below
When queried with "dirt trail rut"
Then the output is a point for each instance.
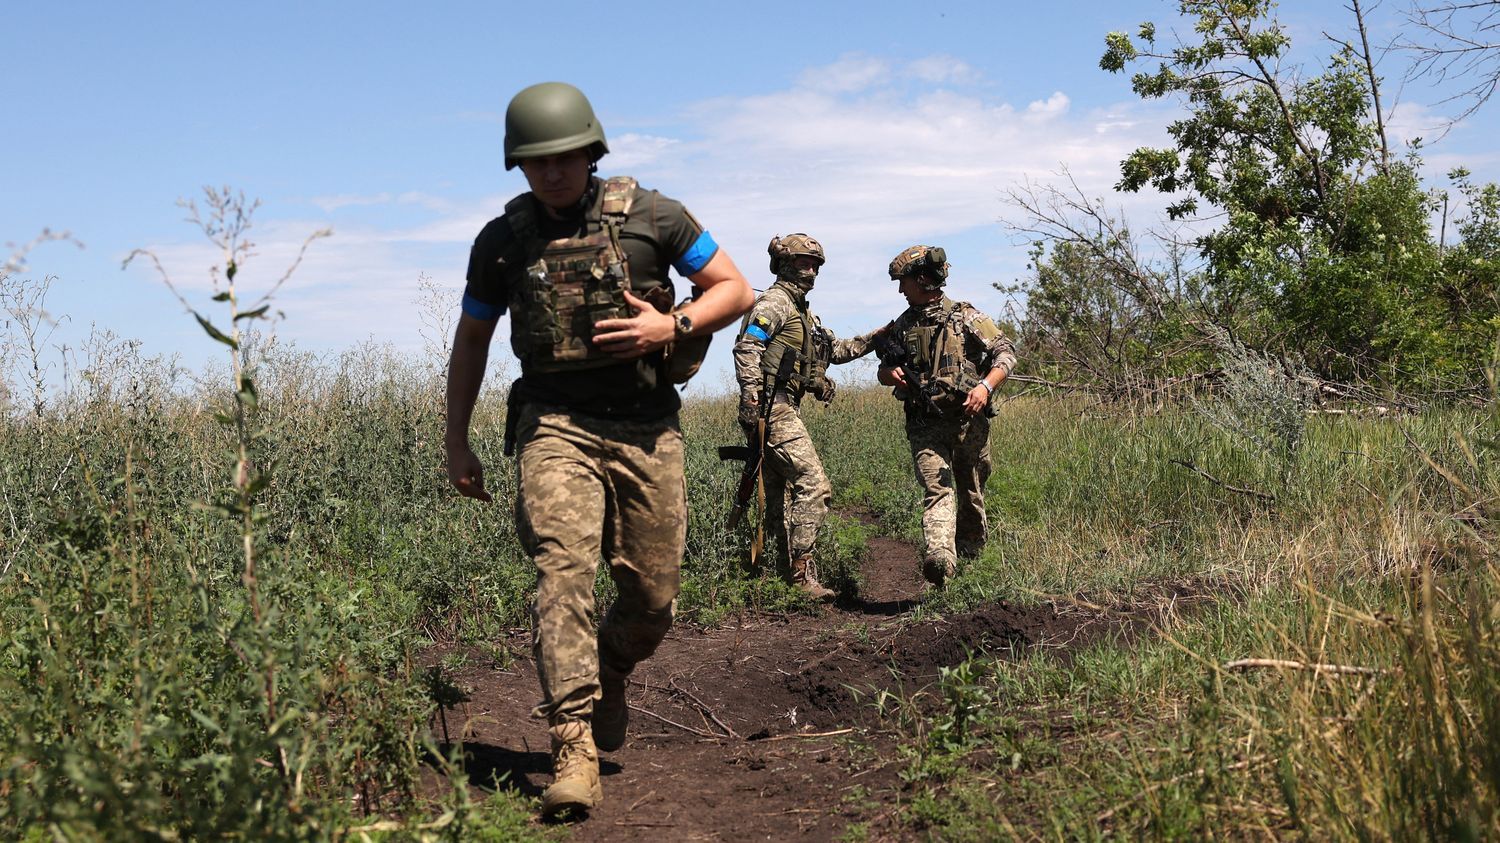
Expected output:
(761, 728)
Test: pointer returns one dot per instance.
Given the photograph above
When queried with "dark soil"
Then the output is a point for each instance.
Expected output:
(767, 727)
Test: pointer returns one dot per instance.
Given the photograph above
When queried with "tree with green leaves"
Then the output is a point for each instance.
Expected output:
(1320, 242)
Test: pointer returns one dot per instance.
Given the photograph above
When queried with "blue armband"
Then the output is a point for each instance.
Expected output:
(697, 256)
(758, 332)
(483, 311)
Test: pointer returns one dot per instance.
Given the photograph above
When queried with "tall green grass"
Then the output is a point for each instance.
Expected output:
(147, 690)
(1367, 588)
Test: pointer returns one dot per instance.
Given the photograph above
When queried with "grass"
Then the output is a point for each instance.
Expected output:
(147, 690)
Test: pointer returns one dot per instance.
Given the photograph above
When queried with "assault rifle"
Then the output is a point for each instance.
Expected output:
(754, 453)
(920, 389)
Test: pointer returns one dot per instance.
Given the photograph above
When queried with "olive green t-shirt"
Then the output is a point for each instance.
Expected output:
(659, 235)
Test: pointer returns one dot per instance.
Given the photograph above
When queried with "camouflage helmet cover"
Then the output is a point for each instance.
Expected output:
(551, 118)
(931, 262)
(791, 246)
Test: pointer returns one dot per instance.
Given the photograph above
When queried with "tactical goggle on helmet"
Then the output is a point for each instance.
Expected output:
(549, 119)
(924, 261)
(792, 246)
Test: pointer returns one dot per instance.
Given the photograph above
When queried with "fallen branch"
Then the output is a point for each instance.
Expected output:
(699, 732)
(1265, 496)
(705, 709)
(1033, 379)
(1246, 664)
(803, 735)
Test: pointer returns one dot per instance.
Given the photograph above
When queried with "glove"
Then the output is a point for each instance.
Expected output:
(749, 413)
(822, 388)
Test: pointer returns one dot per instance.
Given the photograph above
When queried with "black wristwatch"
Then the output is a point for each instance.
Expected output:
(684, 324)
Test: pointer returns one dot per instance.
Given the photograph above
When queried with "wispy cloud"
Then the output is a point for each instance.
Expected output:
(329, 204)
(867, 155)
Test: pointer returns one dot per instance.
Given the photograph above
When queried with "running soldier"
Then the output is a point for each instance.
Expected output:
(782, 324)
(945, 359)
(581, 264)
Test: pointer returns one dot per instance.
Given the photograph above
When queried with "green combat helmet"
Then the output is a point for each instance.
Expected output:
(929, 263)
(549, 119)
(784, 249)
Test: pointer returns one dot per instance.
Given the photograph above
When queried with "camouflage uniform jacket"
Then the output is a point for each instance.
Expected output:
(782, 313)
(976, 344)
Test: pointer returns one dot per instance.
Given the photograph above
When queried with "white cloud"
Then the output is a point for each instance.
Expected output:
(942, 69)
(329, 204)
(633, 150)
(847, 75)
(1051, 106)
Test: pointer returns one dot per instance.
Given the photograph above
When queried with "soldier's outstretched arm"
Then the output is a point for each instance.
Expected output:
(726, 295)
(847, 351)
(471, 350)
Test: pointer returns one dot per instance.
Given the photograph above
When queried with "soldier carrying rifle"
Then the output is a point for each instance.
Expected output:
(782, 354)
(945, 359)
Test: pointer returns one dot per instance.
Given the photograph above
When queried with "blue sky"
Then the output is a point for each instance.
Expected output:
(870, 125)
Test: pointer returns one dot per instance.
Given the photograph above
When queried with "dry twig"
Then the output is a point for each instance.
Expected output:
(804, 735)
(1245, 664)
(705, 709)
(1256, 493)
(699, 732)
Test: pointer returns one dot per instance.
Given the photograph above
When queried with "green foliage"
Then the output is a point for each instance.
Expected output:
(172, 674)
(1325, 248)
(1264, 401)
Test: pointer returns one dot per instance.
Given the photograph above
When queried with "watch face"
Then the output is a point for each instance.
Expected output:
(684, 324)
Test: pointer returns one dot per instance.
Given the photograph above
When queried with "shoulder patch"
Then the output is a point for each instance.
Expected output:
(759, 328)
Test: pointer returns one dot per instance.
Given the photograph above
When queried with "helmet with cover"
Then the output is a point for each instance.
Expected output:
(928, 263)
(784, 252)
(551, 118)
(783, 249)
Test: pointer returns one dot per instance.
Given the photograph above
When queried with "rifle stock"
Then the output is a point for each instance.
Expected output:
(754, 452)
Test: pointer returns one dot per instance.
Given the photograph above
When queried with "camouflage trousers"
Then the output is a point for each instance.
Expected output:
(593, 488)
(797, 490)
(952, 461)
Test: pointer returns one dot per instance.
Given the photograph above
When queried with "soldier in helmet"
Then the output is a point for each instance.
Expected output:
(581, 265)
(781, 324)
(945, 359)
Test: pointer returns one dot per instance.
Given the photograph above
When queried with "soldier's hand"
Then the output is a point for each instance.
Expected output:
(823, 389)
(977, 399)
(894, 376)
(645, 332)
(749, 413)
(466, 473)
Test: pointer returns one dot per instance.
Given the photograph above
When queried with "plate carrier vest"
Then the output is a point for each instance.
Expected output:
(802, 337)
(569, 284)
(937, 351)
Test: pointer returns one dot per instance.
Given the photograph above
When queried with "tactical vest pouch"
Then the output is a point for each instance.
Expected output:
(572, 283)
(937, 352)
(682, 358)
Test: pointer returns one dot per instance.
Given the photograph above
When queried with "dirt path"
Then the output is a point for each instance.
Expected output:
(730, 736)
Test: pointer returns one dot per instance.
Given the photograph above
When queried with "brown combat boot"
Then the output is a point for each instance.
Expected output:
(939, 571)
(575, 765)
(611, 714)
(805, 578)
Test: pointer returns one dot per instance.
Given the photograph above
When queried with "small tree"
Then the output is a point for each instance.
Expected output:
(1324, 247)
